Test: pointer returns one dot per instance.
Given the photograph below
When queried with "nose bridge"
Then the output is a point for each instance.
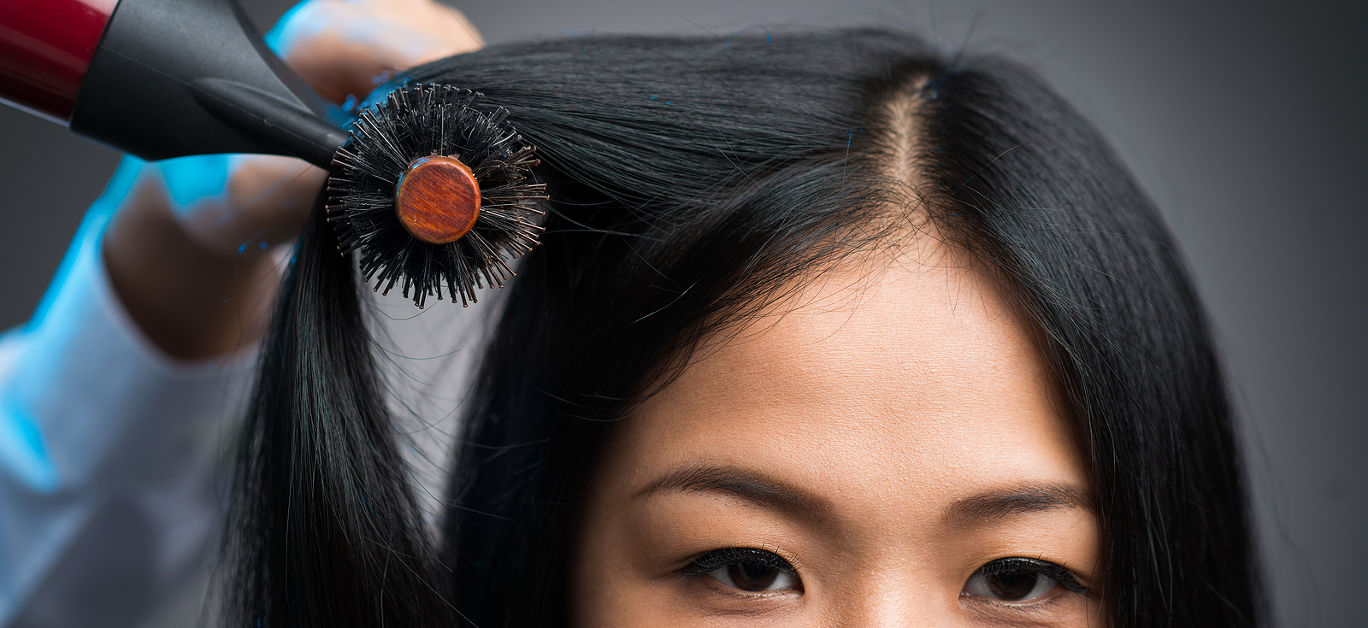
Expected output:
(898, 596)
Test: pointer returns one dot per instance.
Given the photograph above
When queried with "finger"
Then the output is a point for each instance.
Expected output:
(273, 195)
(256, 202)
(444, 30)
(341, 48)
(431, 19)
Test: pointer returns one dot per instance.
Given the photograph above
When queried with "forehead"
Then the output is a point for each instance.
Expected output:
(907, 377)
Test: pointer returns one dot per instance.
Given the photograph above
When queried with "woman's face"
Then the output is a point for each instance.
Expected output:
(888, 449)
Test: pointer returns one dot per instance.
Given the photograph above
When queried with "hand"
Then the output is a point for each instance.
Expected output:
(186, 249)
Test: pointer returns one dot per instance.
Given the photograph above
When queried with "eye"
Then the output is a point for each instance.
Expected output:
(747, 569)
(1020, 580)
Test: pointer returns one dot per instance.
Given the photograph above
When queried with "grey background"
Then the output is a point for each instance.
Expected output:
(1243, 121)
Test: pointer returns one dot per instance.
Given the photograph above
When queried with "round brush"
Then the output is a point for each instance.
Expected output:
(432, 190)
(434, 193)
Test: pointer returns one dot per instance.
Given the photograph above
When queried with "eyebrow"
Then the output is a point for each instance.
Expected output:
(749, 485)
(766, 492)
(1018, 500)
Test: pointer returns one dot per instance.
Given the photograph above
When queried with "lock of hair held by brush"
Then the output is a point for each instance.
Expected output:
(435, 194)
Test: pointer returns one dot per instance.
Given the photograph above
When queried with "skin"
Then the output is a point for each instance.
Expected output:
(193, 270)
(888, 431)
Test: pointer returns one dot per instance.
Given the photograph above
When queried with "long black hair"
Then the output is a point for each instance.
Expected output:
(694, 178)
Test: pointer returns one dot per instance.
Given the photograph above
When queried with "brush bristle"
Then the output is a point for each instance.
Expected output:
(422, 120)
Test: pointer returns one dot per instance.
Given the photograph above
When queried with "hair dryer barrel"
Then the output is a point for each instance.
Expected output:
(159, 78)
(45, 49)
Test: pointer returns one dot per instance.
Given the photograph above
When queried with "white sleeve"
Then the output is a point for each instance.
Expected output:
(109, 451)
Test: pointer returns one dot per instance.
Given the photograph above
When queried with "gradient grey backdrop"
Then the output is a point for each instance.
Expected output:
(1244, 122)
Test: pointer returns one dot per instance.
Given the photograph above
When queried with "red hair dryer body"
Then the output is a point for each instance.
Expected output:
(45, 48)
(159, 78)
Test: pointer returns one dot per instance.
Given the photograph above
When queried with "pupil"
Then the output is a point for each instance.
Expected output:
(752, 576)
(1012, 586)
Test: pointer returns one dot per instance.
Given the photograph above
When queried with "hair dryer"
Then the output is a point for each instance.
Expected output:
(159, 78)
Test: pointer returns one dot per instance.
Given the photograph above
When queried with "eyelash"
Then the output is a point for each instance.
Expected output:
(716, 559)
(1019, 566)
(708, 562)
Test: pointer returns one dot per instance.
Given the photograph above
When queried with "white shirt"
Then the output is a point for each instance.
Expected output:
(112, 455)
(110, 490)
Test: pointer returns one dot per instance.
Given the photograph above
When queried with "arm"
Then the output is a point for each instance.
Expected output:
(116, 399)
(106, 452)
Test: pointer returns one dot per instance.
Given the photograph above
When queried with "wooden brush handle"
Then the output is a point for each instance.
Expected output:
(437, 199)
